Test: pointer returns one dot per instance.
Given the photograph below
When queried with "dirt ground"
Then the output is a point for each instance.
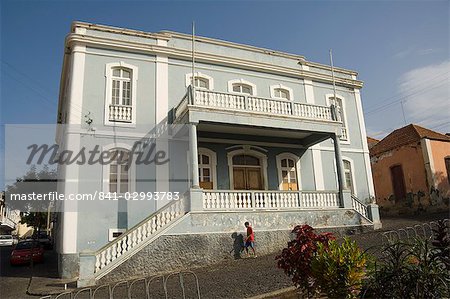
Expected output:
(243, 278)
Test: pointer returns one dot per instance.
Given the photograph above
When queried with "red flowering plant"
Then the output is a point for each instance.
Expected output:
(296, 258)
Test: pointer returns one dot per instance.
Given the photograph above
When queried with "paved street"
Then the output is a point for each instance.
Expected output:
(14, 280)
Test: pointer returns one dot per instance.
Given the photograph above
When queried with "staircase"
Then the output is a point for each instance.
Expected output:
(361, 208)
(118, 251)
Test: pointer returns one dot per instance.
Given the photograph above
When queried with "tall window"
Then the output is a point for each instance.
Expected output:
(288, 174)
(121, 87)
(118, 173)
(120, 95)
(338, 103)
(348, 175)
(205, 171)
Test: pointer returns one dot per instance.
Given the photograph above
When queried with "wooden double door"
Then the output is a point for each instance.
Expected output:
(247, 178)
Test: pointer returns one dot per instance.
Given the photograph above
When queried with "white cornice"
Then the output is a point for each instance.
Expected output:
(166, 35)
(108, 43)
(229, 44)
(118, 30)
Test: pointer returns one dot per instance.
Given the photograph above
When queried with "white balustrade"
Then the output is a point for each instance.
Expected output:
(122, 113)
(212, 99)
(132, 238)
(359, 207)
(256, 199)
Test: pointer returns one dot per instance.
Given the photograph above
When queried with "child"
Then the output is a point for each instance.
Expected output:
(250, 239)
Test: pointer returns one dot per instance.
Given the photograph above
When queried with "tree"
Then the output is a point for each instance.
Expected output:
(33, 212)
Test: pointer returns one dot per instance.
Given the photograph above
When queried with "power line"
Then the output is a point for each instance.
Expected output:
(394, 96)
(44, 97)
(384, 107)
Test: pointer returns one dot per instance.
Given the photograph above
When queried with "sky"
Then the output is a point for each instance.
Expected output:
(399, 48)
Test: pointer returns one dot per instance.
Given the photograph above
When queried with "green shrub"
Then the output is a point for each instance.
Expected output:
(414, 269)
(296, 259)
(339, 270)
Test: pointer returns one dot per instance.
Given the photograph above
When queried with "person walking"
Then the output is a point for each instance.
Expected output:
(250, 239)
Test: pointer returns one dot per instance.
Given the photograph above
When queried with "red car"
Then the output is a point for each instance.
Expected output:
(25, 251)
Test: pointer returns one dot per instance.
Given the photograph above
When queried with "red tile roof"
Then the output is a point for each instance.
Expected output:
(406, 135)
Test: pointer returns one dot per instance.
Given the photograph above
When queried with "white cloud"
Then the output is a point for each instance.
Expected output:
(426, 95)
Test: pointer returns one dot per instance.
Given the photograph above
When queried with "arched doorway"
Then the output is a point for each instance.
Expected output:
(247, 172)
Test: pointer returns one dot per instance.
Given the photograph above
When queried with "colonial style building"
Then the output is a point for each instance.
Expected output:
(268, 141)
(411, 169)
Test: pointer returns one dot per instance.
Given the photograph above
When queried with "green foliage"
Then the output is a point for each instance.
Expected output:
(414, 269)
(34, 181)
(339, 269)
(296, 259)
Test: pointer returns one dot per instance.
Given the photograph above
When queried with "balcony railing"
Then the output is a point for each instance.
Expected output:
(259, 199)
(120, 113)
(236, 102)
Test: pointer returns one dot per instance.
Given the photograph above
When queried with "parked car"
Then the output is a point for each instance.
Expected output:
(7, 240)
(25, 251)
(45, 240)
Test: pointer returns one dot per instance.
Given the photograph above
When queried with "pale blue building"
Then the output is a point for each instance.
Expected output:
(269, 141)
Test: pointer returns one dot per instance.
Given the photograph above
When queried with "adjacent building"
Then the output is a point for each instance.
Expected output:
(411, 169)
(268, 141)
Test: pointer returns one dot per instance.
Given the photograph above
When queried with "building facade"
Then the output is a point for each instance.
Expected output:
(411, 171)
(267, 142)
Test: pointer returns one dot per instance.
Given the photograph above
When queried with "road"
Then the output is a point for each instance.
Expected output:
(14, 280)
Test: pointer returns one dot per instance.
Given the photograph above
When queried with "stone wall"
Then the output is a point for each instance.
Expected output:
(179, 251)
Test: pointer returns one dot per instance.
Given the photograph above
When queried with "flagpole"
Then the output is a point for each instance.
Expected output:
(332, 75)
(193, 63)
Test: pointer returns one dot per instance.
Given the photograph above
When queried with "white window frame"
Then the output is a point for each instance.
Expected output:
(212, 163)
(296, 159)
(108, 92)
(352, 169)
(241, 81)
(344, 112)
(246, 150)
(280, 86)
(131, 171)
(202, 76)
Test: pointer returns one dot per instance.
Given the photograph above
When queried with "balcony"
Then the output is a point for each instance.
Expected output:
(210, 106)
(120, 113)
(268, 200)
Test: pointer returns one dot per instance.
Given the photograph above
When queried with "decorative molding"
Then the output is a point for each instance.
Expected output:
(247, 150)
(317, 168)
(428, 157)
(230, 141)
(213, 163)
(281, 86)
(352, 169)
(108, 87)
(241, 81)
(344, 111)
(200, 75)
(106, 168)
(362, 129)
(309, 91)
(110, 43)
